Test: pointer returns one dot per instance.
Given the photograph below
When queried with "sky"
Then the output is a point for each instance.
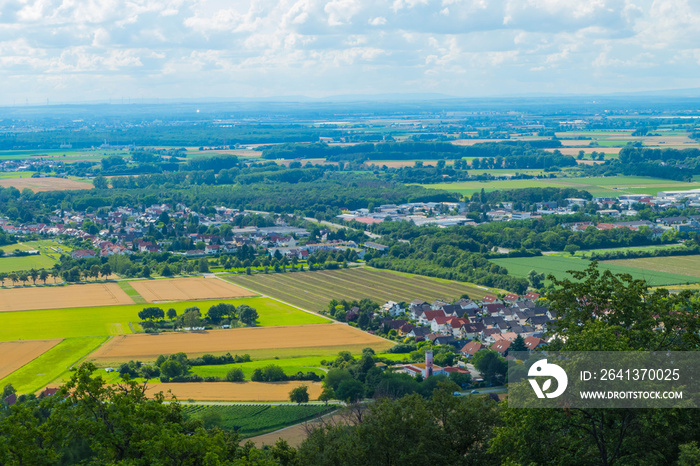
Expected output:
(108, 50)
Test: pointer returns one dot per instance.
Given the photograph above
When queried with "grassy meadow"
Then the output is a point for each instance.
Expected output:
(115, 320)
(52, 365)
(560, 265)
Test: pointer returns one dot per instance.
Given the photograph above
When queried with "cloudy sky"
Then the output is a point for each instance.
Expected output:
(85, 50)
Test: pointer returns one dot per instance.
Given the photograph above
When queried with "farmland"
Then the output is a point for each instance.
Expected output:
(686, 265)
(51, 365)
(60, 297)
(559, 265)
(44, 184)
(16, 354)
(16, 264)
(257, 419)
(597, 186)
(186, 289)
(116, 320)
(234, 391)
(313, 290)
(290, 365)
(331, 337)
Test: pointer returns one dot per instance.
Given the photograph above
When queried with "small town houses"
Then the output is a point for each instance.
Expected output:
(494, 323)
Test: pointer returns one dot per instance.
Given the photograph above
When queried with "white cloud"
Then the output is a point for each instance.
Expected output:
(317, 47)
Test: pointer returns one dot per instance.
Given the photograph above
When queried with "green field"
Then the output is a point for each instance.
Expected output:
(587, 252)
(313, 290)
(131, 292)
(16, 264)
(686, 265)
(559, 265)
(597, 186)
(255, 420)
(290, 365)
(52, 365)
(114, 320)
(13, 175)
(50, 252)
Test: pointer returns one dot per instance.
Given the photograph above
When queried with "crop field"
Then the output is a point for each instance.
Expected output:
(16, 354)
(335, 337)
(116, 320)
(51, 366)
(61, 297)
(257, 419)
(290, 365)
(187, 289)
(685, 265)
(558, 266)
(314, 290)
(597, 186)
(44, 184)
(234, 391)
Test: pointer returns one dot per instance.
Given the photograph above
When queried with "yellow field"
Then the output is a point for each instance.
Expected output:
(187, 289)
(44, 184)
(240, 340)
(15, 354)
(230, 391)
(61, 297)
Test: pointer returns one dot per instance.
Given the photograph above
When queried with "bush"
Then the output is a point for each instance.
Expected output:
(235, 375)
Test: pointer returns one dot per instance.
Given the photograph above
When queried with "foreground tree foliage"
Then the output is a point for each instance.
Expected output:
(89, 422)
(600, 311)
(412, 430)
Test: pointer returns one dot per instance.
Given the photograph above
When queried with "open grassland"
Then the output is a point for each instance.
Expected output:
(558, 266)
(61, 297)
(16, 354)
(685, 265)
(314, 290)
(116, 320)
(53, 365)
(597, 186)
(16, 264)
(587, 252)
(187, 289)
(44, 184)
(334, 337)
(257, 419)
(290, 365)
(234, 391)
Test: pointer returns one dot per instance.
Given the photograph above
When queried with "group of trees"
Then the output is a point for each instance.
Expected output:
(218, 314)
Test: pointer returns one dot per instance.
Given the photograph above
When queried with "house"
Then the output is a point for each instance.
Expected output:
(393, 308)
(488, 299)
(83, 254)
(533, 343)
(48, 391)
(419, 368)
(471, 348)
(472, 330)
(511, 297)
(493, 308)
(405, 329)
(501, 347)
(427, 317)
(532, 296)
(10, 399)
(419, 333)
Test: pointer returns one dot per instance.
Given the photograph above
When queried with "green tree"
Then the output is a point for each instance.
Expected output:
(235, 375)
(248, 315)
(299, 394)
(203, 265)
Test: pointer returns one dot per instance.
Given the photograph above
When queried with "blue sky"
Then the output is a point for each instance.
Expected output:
(85, 50)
